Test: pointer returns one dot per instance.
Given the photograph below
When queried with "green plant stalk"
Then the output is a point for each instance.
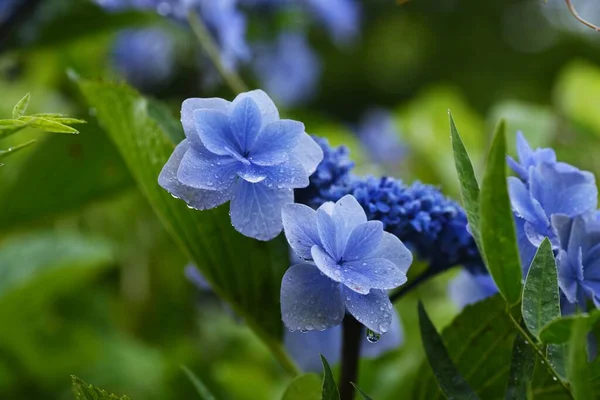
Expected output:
(541, 353)
(234, 82)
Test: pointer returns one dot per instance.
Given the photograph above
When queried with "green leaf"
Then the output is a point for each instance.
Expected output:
(304, 387)
(21, 106)
(469, 188)
(48, 125)
(68, 172)
(362, 394)
(557, 356)
(559, 330)
(14, 149)
(498, 234)
(11, 126)
(329, 388)
(84, 391)
(521, 370)
(541, 303)
(202, 390)
(578, 369)
(448, 378)
(244, 272)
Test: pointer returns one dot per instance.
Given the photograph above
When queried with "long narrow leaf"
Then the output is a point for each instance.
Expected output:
(578, 370)
(202, 390)
(498, 234)
(14, 149)
(521, 370)
(448, 377)
(330, 390)
(21, 106)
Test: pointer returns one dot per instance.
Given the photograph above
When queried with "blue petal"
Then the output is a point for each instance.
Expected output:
(373, 310)
(291, 174)
(567, 276)
(309, 153)
(216, 134)
(209, 174)
(328, 233)
(195, 198)
(300, 226)
(306, 347)
(333, 270)
(188, 119)
(275, 142)
(363, 240)
(391, 248)
(256, 209)
(252, 173)
(521, 200)
(310, 300)
(347, 214)
(378, 273)
(246, 122)
(526, 249)
(561, 225)
(268, 110)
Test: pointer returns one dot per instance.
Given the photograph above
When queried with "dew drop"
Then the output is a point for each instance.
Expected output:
(372, 337)
(554, 378)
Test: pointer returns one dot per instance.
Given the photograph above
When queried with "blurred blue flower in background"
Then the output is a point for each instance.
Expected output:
(378, 132)
(144, 57)
(578, 261)
(469, 288)
(241, 151)
(6, 9)
(288, 69)
(350, 265)
(306, 347)
(340, 17)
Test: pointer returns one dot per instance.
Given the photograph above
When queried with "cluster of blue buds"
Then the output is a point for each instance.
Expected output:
(431, 224)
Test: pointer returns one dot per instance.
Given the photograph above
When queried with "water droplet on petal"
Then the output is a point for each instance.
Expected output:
(372, 337)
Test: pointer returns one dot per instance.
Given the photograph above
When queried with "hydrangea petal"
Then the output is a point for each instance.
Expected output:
(347, 214)
(567, 276)
(309, 153)
(256, 209)
(214, 129)
(267, 108)
(363, 240)
(310, 300)
(246, 122)
(188, 119)
(526, 249)
(252, 173)
(290, 174)
(300, 226)
(373, 310)
(336, 272)
(197, 172)
(467, 288)
(392, 248)
(328, 233)
(275, 142)
(379, 273)
(195, 198)
(521, 200)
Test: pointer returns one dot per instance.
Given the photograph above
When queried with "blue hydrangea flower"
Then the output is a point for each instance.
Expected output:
(340, 17)
(469, 288)
(288, 69)
(378, 132)
(529, 157)
(550, 189)
(350, 265)
(132, 50)
(241, 151)
(578, 261)
(306, 348)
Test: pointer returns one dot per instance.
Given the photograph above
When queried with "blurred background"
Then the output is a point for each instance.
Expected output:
(92, 285)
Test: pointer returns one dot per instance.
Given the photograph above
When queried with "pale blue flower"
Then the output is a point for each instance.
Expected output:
(469, 288)
(340, 17)
(288, 69)
(241, 151)
(306, 347)
(351, 263)
(529, 157)
(378, 132)
(578, 261)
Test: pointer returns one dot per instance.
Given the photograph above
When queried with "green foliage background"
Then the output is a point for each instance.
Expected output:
(91, 283)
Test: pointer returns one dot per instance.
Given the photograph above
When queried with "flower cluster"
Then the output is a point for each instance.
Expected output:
(556, 200)
(349, 265)
(431, 224)
(241, 151)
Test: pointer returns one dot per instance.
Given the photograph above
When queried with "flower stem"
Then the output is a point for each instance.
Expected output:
(232, 79)
(425, 276)
(350, 356)
(541, 353)
(578, 17)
